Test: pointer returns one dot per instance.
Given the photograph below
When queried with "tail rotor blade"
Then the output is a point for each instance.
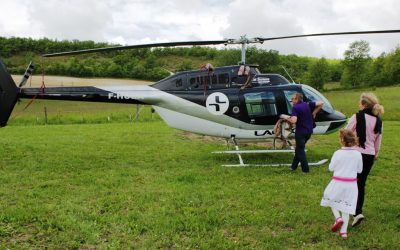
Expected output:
(27, 74)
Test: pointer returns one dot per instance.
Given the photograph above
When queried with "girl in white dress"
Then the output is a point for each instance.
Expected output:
(341, 193)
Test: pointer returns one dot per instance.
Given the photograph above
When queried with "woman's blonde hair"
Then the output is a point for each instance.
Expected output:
(370, 101)
(348, 137)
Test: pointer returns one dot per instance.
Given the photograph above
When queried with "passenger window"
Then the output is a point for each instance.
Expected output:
(260, 104)
(200, 80)
(207, 80)
(223, 78)
(214, 79)
(194, 83)
(178, 83)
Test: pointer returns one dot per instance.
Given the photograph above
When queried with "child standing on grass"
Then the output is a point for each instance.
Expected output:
(341, 193)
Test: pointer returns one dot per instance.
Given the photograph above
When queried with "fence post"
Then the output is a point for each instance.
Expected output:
(152, 113)
(137, 112)
(45, 115)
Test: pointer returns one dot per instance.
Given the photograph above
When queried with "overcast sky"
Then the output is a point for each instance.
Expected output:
(140, 21)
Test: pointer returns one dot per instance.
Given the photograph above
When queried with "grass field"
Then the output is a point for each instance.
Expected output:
(118, 184)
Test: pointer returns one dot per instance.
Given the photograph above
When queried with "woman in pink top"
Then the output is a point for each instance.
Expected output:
(368, 126)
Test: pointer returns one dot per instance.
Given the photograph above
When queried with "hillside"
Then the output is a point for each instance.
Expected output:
(155, 64)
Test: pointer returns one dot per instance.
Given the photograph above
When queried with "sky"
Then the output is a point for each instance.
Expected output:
(129, 22)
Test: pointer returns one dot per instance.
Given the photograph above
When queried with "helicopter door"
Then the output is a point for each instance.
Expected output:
(287, 100)
(261, 107)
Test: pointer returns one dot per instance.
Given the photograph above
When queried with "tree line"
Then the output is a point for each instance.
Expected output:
(357, 68)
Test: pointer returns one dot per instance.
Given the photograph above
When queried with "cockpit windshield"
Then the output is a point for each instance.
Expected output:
(314, 95)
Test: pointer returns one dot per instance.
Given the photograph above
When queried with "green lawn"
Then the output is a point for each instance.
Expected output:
(141, 184)
(346, 101)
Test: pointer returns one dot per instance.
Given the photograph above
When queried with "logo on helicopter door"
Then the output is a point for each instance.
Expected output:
(217, 103)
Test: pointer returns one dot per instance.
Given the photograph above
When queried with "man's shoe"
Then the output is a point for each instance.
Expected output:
(337, 225)
(357, 220)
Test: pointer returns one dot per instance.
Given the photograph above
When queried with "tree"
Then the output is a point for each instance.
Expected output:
(186, 64)
(336, 69)
(318, 73)
(355, 64)
(227, 57)
(392, 67)
(296, 66)
(378, 75)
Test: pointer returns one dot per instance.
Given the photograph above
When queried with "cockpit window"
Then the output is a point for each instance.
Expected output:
(313, 95)
(288, 99)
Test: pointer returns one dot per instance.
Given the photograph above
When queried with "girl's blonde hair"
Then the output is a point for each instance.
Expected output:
(370, 101)
(348, 137)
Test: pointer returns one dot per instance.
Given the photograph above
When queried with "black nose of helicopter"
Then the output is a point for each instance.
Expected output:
(337, 119)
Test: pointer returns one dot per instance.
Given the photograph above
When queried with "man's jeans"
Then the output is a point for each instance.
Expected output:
(300, 153)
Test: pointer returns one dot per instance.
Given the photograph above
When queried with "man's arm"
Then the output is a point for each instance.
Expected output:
(318, 107)
(292, 119)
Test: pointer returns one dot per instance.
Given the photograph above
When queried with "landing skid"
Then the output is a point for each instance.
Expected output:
(318, 163)
(239, 153)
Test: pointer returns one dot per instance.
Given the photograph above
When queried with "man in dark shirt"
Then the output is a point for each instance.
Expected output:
(303, 115)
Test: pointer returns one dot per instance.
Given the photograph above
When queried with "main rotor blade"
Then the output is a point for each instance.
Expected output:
(150, 45)
(330, 34)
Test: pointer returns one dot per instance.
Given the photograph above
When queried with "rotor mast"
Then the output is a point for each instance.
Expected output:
(243, 41)
(243, 53)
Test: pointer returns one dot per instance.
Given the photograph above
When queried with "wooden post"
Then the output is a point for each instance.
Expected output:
(137, 112)
(45, 115)
(152, 113)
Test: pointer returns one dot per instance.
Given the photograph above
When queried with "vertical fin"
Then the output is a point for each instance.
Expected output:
(8, 94)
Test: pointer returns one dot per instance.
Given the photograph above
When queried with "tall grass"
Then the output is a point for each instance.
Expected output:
(67, 112)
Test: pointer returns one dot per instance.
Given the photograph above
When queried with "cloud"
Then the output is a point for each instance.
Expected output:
(14, 21)
(73, 19)
(167, 21)
(142, 21)
(285, 18)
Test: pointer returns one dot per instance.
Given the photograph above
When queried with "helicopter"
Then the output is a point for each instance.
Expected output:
(232, 102)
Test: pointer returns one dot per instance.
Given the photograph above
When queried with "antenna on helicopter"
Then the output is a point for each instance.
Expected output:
(287, 73)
